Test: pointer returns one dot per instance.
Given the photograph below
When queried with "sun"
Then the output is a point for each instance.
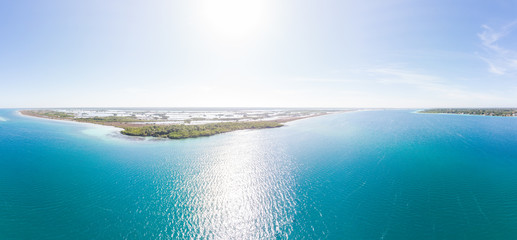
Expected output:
(234, 20)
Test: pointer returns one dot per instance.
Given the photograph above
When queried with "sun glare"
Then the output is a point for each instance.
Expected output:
(233, 20)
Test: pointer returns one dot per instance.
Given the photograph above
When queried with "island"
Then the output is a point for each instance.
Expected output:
(180, 123)
(501, 112)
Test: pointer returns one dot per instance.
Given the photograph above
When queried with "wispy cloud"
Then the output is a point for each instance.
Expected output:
(500, 60)
(402, 76)
(439, 87)
(325, 80)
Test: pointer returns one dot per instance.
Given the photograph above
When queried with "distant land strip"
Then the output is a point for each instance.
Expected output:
(133, 126)
(501, 112)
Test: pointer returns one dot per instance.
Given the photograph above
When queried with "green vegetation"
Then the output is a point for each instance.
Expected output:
(132, 128)
(109, 119)
(190, 131)
(67, 116)
(503, 112)
(54, 114)
(197, 119)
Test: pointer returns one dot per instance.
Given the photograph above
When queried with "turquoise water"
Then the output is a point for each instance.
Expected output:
(359, 175)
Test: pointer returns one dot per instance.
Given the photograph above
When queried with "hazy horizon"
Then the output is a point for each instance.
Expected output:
(230, 53)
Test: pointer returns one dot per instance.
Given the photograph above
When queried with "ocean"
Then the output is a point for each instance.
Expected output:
(392, 174)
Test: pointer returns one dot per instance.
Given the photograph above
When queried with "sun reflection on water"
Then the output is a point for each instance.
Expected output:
(245, 191)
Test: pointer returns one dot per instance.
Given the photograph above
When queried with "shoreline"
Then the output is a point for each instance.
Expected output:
(123, 127)
(21, 113)
(27, 113)
(461, 114)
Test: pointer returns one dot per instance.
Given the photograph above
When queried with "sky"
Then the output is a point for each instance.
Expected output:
(258, 53)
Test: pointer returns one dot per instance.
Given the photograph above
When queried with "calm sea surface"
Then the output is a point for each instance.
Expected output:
(359, 175)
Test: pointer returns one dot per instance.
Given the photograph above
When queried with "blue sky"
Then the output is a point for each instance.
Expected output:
(232, 53)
